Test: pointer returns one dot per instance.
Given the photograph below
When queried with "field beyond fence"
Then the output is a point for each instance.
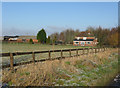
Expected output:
(77, 52)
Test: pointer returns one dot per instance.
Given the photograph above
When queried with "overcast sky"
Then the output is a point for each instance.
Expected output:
(27, 18)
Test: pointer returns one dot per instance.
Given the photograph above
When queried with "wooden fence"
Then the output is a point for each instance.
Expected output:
(11, 55)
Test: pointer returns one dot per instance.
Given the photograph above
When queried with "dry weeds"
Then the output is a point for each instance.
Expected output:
(45, 73)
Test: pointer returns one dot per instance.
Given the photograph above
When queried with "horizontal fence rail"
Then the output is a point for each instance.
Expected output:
(24, 53)
(11, 55)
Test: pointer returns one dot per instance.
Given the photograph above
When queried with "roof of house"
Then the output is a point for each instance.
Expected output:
(85, 37)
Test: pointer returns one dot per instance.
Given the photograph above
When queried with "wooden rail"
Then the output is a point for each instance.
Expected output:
(11, 55)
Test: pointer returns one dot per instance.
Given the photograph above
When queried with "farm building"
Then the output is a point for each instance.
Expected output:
(20, 38)
(27, 39)
(10, 38)
(85, 39)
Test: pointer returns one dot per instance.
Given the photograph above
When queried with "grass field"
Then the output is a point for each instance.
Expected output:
(14, 47)
(22, 47)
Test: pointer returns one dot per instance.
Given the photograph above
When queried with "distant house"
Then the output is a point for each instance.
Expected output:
(85, 39)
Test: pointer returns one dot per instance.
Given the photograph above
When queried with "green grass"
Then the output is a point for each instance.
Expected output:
(67, 62)
(25, 73)
(21, 74)
(14, 47)
(80, 66)
(99, 76)
(9, 83)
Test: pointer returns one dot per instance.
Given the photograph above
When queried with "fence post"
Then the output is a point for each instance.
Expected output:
(76, 52)
(11, 61)
(98, 49)
(49, 55)
(95, 50)
(33, 55)
(70, 52)
(61, 54)
(104, 48)
(92, 50)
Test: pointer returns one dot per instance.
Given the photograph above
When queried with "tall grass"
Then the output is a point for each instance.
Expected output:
(86, 70)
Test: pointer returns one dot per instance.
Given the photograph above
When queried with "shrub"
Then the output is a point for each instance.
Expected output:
(31, 41)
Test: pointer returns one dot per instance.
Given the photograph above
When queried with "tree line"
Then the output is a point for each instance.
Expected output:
(105, 36)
